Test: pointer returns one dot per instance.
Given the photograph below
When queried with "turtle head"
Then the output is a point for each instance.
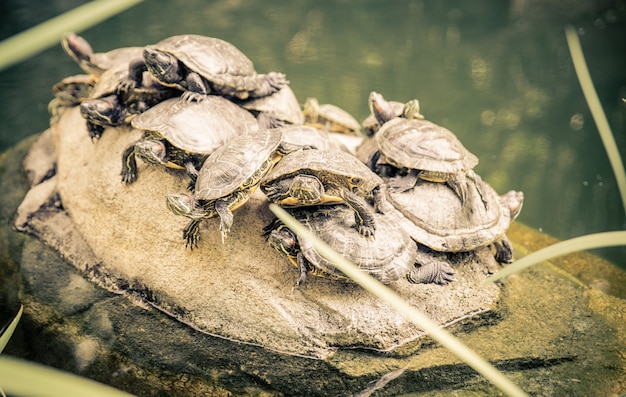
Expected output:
(311, 108)
(81, 52)
(184, 205)
(281, 238)
(513, 200)
(411, 110)
(162, 65)
(306, 189)
(102, 111)
(380, 108)
(152, 151)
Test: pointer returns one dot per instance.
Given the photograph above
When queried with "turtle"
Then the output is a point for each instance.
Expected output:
(390, 257)
(276, 110)
(413, 149)
(389, 110)
(199, 65)
(181, 135)
(330, 118)
(106, 107)
(226, 180)
(96, 63)
(312, 177)
(434, 217)
(69, 92)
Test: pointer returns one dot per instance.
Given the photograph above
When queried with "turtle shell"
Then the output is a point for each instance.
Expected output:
(235, 163)
(212, 58)
(282, 105)
(330, 164)
(307, 137)
(423, 145)
(199, 127)
(389, 257)
(440, 221)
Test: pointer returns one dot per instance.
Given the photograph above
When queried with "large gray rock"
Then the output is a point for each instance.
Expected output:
(123, 238)
(550, 334)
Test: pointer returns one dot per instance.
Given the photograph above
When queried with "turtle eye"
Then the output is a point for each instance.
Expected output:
(356, 180)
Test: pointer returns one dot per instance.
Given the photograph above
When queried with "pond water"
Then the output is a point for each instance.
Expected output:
(497, 73)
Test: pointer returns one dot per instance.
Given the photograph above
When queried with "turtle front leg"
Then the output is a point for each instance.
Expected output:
(129, 165)
(403, 183)
(304, 269)
(222, 207)
(363, 215)
(430, 270)
(135, 77)
(191, 233)
(95, 130)
(197, 89)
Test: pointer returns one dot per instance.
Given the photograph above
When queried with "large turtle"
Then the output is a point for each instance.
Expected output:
(420, 149)
(96, 63)
(389, 110)
(389, 257)
(226, 180)
(199, 65)
(181, 135)
(433, 216)
(330, 118)
(312, 177)
(275, 110)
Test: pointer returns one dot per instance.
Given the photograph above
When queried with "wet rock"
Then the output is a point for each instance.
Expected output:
(123, 238)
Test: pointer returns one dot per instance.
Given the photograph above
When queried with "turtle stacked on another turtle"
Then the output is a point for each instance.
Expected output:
(404, 206)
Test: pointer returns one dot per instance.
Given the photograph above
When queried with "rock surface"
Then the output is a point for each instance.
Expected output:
(551, 334)
(125, 240)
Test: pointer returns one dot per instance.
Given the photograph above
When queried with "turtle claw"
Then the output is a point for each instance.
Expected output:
(125, 86)
(190, 96)
(128, 177)
(366, 231)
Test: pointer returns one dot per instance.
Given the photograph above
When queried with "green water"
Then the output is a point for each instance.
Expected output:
(497, 73)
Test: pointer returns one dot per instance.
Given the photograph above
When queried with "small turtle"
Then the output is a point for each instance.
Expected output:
(276, 110)
(389, 110)
(389, 257)
(108, 108)
(421, 149)
(199, 65)
(96, 63)
(312, 177)
(330, 118)
(297, 137)
(433, 216)
(226, 180)
(181, 135)
(69, 92)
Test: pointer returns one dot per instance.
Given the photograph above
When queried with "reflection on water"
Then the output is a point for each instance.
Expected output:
(496, 73)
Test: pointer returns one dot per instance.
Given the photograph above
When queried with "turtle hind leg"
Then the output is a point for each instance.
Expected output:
(504, 250)
(265, 84)
(191, 233)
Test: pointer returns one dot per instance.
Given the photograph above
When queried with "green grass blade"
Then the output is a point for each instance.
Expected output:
(394, 300)
(23, 378)
(590, 241)
(28, 43)
(7, 332)
(596, 110)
